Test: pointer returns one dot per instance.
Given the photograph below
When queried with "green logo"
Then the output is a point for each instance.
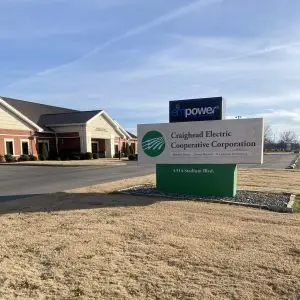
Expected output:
(153, 143)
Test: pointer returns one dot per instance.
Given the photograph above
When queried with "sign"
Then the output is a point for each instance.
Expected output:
(204, 180)
(214, 142)
(101, 129)
(203, 109)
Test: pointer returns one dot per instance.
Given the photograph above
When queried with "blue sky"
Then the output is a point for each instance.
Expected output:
(130, 57)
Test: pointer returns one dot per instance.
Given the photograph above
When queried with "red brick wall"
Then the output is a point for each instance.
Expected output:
(122, 142)
(69, 144)
(17, 136)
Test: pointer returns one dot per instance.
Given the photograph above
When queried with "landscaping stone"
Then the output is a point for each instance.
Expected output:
(267, 200)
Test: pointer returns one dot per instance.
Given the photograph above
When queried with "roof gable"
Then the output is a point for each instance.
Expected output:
(33, 111)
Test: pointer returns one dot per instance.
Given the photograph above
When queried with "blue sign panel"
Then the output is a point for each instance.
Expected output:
(203, 109)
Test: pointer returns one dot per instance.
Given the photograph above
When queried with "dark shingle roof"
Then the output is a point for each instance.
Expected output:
(34, 111)
(77, 117)
(44, 115)
(133, 136)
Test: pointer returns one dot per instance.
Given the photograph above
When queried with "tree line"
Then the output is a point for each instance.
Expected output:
(288, 140)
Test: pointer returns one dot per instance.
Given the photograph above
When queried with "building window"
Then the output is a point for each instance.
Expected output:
(24, 147)
(41, 146)
(9, 147)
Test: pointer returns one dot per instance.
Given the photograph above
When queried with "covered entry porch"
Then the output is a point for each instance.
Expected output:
(101, 147)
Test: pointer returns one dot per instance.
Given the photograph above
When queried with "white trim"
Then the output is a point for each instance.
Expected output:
(9, 140)
(20, 115)
(20, 135)
(115, 125)
(122, 129)
(95, 116)
(63, 125)
(21, 142)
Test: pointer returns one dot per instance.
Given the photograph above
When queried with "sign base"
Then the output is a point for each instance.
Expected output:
(196, 179)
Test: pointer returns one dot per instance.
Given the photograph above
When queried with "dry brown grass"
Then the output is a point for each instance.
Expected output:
(98, 246)
(248, 179)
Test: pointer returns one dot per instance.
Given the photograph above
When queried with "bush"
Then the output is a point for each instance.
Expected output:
(53, 155)
(88, 155)
(24, 157)
(132, 157)
(1, 158)
(9, 158)
(117, 155)
(42, 157)
(101, 154)
(32, 157)
(95, 155)
(74, 156)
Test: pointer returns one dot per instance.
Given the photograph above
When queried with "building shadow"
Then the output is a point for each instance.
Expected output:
(70, 201)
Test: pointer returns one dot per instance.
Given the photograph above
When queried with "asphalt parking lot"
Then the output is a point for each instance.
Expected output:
(275, 161)
(21, 181)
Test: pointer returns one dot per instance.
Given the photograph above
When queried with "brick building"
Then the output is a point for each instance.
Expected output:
(26, 126)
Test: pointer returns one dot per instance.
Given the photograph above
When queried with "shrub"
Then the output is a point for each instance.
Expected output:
(64, 156)
(1, 158)
(32, 157)
(132, 157)
(95, 155)
(101, 154)
(24, 157)
(88, 155)
(74, 156)
(53, 155)
(9, 158)
(42, 157)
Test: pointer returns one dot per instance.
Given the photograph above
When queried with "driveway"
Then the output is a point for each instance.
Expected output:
(28, 180)
(275, 161)
(21, 181)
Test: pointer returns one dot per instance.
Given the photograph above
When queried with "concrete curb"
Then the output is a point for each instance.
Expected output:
(294, 163)
(287, 209)
(59, 165)
(291, 203)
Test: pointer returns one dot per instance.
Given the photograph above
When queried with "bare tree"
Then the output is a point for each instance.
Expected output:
(268, 133)
(288, 137)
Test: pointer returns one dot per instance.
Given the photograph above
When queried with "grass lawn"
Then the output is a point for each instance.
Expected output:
(297, 204)
(87, 244)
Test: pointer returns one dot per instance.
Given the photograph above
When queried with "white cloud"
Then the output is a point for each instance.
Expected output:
(168, 17)
(254, 74)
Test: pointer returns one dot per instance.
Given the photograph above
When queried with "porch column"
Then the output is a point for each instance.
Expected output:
(110, 147)
(88, 143)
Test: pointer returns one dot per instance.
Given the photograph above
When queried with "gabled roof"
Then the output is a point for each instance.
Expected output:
(132, 136)
(77, 117)
(43, 117)
(33, 111)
